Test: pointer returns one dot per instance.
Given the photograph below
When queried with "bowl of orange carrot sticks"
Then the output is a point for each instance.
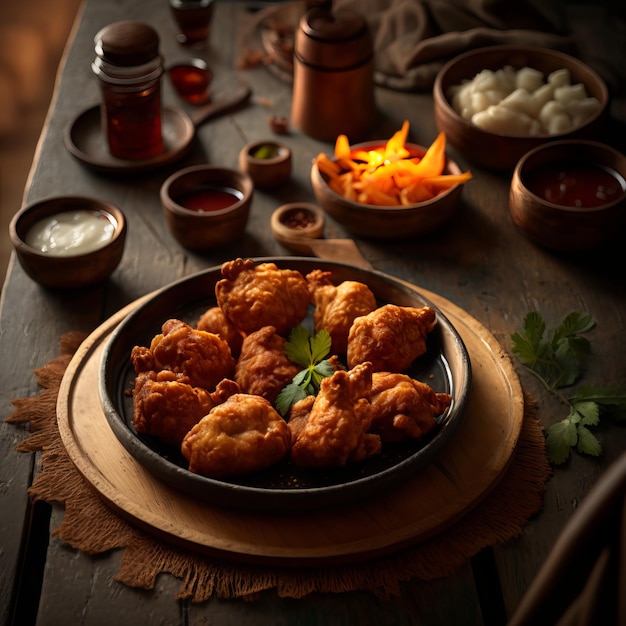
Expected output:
(388, 189)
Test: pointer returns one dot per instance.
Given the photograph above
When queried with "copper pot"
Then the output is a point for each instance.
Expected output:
(333, 86)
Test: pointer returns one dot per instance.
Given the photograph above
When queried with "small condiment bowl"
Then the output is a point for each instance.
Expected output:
(210, 225)
(588, 222)
(191, 79)
(388, 222)
(295, 223)
(501, 151)
(73, 270)
(267, 162)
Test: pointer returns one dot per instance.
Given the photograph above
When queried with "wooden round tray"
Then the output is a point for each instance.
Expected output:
(444, 491)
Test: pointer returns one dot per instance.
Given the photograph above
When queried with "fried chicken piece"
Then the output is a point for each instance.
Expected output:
(263, 367)
(253, 296)
(203, 357)
(214, 321)
(391, 337)
(404, 408)
(166, 406)
(298, 415)
(243, 435)
(336, 307)
(335, 432)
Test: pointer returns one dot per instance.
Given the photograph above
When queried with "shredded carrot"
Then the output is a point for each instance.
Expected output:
(389, 176)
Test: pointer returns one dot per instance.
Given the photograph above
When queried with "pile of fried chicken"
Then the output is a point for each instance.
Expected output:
(210, 390)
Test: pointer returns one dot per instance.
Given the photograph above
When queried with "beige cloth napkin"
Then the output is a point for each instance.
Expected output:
(414, 38)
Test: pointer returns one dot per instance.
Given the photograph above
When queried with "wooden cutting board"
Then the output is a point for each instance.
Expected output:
(444, 491)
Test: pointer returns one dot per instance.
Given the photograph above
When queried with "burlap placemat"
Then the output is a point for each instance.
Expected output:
(90, 526)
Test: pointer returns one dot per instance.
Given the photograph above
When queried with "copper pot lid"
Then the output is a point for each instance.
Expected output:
(331, 39)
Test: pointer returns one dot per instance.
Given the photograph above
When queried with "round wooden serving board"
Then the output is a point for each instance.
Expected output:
(440, 494)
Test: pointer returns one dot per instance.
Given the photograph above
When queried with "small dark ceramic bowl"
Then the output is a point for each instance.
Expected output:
(502, 151)
(268, 163)
(76, 270)
(388, 222)
(204, 230)
(569, 228)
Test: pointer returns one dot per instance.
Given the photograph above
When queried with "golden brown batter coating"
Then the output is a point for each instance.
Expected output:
(404, 408)
(203, 357)
(166, 406)
(241, 436)
(263, 367)
(253, 296)
(214, 321)
(336, 307)
(391, 337)
(335, 432)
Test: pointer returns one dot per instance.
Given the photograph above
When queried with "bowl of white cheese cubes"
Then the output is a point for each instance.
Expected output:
(499, 102)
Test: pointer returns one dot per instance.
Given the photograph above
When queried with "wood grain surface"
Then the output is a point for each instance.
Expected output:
(479, 261)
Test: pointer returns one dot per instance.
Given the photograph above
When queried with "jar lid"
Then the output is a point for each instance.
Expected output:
(127, 43)
(333, 39)
(331, 26)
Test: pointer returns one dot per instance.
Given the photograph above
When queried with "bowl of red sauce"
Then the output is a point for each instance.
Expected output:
(191, 79)
(207, 207)
(570, 195)
(68, 242)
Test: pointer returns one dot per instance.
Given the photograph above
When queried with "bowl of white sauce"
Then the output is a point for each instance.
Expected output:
(68, 242)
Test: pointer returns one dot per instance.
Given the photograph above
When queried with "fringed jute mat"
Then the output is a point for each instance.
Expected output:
(90, 526)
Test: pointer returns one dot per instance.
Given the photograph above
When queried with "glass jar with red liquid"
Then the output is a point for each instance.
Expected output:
(193, 18)
(130, 67)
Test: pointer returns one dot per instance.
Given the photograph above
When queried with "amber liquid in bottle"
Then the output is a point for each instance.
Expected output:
(133, 122)
(194, 20)
(129, 68)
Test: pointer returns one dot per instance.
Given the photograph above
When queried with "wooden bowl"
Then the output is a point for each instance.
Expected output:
(209, 224)
(553, 225)
(73, 269)
(502, 151)
(388, 222)
(267, 162)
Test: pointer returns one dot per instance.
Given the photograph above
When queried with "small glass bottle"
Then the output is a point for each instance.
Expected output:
(129, 67)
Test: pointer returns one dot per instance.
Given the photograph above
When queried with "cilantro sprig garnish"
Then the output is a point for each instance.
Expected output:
(310, 352)
(556, 357)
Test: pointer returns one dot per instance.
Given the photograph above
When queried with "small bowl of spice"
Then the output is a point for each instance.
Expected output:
(570, 195)
(207, 206)
(68, 242)
(267, 162)
(295, 223)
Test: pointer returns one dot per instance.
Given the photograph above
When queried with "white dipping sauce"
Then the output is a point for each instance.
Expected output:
(71, 233)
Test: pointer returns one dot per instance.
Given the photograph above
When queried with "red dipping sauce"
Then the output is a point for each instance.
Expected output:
(208, 199)
(191, 81)
(576, 184)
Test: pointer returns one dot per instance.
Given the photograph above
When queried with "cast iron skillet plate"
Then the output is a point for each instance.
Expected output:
(445, 367)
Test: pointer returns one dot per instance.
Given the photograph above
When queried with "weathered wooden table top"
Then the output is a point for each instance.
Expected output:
(479, 261)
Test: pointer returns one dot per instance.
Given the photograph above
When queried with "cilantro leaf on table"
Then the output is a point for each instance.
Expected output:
(556, 357)
(310, 352)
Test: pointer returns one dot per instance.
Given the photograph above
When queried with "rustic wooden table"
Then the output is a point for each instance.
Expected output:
(480, 262)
